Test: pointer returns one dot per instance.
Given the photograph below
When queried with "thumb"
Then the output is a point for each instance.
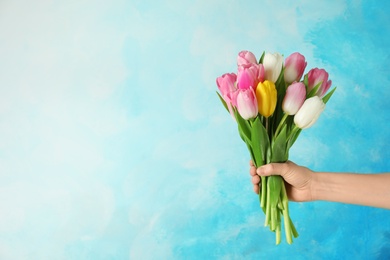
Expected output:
(272, 169)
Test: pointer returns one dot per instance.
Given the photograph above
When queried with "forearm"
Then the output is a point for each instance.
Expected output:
(363, 189)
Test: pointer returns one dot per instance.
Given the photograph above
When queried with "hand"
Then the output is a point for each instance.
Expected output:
(298, 179)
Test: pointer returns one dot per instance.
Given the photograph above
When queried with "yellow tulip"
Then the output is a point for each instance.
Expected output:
(266, 98)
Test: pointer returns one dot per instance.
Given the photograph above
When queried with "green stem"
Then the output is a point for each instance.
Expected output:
(286, 216)
(280, 205)
(293, 229)
(278, 232)
(268, 207)
(280, 125)
(263, 191)
(296, 128)
(274, 218)
(287, 226)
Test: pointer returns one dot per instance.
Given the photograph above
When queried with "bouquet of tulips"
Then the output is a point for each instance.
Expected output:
(272, 103)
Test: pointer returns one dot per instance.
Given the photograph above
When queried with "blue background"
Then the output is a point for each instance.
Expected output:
(114, 145)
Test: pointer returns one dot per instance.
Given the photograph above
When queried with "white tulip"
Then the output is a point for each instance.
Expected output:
(310, 111)
(272, 66)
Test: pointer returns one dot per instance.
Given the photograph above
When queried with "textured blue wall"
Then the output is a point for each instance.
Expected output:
(114, 145)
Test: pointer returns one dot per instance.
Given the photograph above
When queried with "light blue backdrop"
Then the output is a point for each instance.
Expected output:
(114, 145)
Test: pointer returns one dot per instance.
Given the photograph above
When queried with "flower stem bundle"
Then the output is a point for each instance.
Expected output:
(271, 104)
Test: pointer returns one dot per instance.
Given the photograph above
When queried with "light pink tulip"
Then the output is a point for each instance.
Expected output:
(247, 103)
(294, 98)
(294, 66)
(246, 58)
(227, 86)
(315, 76)
(227, 83)
(250, 76)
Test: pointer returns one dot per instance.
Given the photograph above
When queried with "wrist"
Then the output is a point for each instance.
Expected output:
(317, 190)
(332, 187)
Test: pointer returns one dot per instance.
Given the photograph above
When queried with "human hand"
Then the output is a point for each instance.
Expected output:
(298, 179)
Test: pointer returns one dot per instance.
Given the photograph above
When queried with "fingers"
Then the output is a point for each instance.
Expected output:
(252, 171)
(272, 169)
(256, 179)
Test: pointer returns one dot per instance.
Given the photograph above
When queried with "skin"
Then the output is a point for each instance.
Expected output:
(303, 184)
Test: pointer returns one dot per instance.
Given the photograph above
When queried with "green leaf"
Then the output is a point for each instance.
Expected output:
(281, 92)
(269, 154)
(314, 90)
(243, 137)
(306, 81)
(243, 126)
(279, 147)
(259, 142)
(294, 137)
(280, 83)
(250, 151)
(262, 58)
(327, 97)
(223, 101)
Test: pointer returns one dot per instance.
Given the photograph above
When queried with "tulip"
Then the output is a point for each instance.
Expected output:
(272, 66)
(250, 76)
(317, 76)
(266, 98)
(247, 103)
(245, 58)
(294, 98)
(226, 85)
(294, 67)
(310, 111)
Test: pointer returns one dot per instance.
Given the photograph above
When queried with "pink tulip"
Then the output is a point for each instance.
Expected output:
(246, 58)
(226, 83)
(316, 76)
(227, 86)
(295, 65)
(250, 76)
(294, 98)
(247, 103)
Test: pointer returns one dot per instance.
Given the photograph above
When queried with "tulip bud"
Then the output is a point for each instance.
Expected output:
(246, 58)
(250, 76)
(266, 98)
(310, 111)
(226, 83)
(294, 67)
(294, 98)
(272, 66)
(316, 76)
(227, 86)
(247, 103)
